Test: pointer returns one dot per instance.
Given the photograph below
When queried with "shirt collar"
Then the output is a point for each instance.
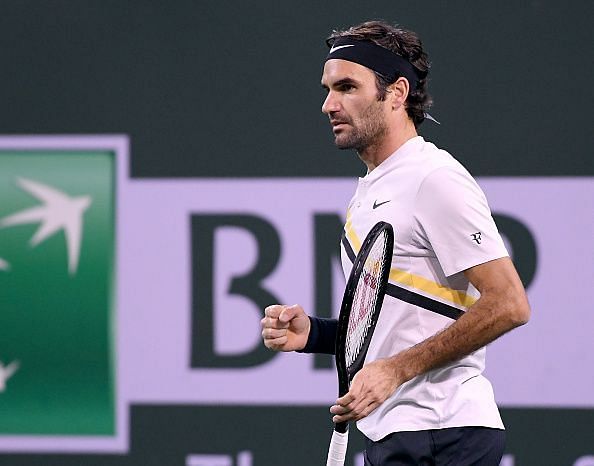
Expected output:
(409, 147)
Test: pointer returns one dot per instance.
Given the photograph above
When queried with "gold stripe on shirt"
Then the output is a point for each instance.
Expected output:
(415, 281)
(433, 288)
(351, 235)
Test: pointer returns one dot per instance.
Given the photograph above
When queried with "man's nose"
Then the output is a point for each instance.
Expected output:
(330, 104)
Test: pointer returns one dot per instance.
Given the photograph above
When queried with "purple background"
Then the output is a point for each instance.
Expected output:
(528, 367)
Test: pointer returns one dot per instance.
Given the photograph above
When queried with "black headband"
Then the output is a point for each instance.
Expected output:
(376, 58)
(379, 59)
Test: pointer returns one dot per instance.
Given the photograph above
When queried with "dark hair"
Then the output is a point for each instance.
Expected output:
(404, 43)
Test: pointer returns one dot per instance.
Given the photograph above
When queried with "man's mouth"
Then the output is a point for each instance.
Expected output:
(338, 125)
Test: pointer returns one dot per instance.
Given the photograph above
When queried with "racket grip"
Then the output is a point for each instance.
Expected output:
(338, 448)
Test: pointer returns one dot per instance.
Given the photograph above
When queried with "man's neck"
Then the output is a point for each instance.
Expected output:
(373, 155)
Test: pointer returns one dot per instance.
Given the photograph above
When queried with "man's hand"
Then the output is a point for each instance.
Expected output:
(285, 328)
(371, 386)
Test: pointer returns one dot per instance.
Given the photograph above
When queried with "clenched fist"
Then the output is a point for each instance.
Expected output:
(285, 328)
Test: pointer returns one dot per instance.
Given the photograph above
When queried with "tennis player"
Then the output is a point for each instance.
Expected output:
(421, 398)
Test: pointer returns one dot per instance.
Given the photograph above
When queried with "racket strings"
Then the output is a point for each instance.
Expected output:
(365, 299)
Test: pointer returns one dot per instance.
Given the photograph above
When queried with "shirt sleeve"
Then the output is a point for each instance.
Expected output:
(454, 220)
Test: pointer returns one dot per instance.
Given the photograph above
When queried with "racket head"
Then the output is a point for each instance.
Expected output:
(362, 301)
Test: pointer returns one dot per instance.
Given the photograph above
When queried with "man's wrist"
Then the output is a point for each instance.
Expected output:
(403, 366)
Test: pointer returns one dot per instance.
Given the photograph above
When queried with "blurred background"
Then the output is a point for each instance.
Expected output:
(165, 172)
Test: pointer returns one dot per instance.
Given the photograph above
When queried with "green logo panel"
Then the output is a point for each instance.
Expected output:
(57, 250)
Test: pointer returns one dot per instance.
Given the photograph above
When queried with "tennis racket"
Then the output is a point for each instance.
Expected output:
(361, 304)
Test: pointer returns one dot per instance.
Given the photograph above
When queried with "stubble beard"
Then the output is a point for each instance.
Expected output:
(367, 131)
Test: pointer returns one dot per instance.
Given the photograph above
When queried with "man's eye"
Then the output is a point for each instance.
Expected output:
(347, 87)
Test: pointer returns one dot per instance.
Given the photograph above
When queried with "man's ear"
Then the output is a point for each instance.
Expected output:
(398, 92)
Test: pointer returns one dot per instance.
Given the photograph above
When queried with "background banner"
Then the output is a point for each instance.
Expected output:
(196, 261)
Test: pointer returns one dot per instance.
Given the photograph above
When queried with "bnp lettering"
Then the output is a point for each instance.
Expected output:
(251, 285)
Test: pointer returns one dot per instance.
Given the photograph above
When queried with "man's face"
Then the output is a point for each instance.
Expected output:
(358, 119)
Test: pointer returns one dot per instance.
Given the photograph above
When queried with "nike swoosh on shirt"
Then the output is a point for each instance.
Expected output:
(334, 49)
(377, 204)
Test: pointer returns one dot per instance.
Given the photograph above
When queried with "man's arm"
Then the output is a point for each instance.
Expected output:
(502, 306)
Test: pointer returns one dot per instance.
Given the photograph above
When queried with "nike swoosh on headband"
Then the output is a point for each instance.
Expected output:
(338, 47)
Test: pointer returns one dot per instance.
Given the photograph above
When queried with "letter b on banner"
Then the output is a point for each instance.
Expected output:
(248, 285)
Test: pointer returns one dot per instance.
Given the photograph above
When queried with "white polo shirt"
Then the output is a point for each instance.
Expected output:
(442, 226)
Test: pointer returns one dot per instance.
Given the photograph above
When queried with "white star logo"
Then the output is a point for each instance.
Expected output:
(7, 372)
(4, 265)
(58, 212)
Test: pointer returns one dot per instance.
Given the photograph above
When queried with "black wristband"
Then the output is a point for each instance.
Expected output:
(322, 336)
